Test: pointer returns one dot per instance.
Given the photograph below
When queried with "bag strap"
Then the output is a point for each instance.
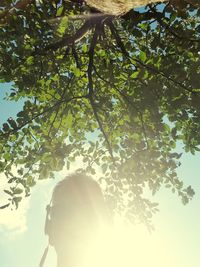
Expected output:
(42, 261)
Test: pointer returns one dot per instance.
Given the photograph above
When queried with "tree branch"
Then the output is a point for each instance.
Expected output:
(71, 39)
(152, 69)
(164, 75)
(6, 14)
(127, 101)
(137, 17)
(117, 38)
(91, 89)
(75, 55)
(58, 107)
(42, 113)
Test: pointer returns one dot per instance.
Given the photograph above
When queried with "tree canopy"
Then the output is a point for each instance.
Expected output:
(118, 92)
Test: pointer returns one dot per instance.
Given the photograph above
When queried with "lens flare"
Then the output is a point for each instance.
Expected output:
(128, 246)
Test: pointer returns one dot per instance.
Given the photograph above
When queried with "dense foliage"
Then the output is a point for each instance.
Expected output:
(117, 93)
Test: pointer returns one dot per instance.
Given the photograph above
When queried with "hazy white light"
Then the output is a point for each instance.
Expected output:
(12, 222)
(129, 246)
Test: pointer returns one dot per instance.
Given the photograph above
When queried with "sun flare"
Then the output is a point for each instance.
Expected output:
(128, 246)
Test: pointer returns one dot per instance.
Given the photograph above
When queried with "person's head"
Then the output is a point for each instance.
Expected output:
(77, 213)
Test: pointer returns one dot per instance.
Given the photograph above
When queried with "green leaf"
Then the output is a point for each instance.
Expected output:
(104, 167)
(16, 200)
(30, 60)
(30, 181)
(6, 127)
(18, 191)
(59, 11)
(12, 123)
(77, 72)
(135, 74)
(7, 156)
(62, 26)
(143, 56)
(8, 192)
(44, 173)
(84, 48)
(69, 120)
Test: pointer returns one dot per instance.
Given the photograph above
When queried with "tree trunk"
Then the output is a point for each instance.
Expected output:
(118, 7)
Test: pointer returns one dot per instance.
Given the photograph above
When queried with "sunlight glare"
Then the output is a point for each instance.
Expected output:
(129, 246)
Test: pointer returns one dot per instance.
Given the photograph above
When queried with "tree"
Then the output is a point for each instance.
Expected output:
(119, 92)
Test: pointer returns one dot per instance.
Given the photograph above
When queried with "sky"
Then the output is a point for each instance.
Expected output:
(175, 241)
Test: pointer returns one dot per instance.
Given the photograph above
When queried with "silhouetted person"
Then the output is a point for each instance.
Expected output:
(75, 219)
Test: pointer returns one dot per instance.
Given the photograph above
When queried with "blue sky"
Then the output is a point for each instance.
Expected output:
(175, 242)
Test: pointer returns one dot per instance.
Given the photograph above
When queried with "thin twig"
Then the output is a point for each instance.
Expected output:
(75, 55)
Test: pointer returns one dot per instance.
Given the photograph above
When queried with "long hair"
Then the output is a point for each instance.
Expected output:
(78, 210)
